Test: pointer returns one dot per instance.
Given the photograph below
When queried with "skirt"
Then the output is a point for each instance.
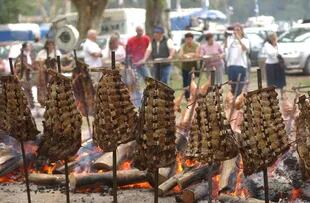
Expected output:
(275, 75)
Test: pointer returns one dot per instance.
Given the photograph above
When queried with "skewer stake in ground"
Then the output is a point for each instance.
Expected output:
(156, 186)
(265, 172)
(210, 175)
(22, 148)
(66, 161)
(114, 151)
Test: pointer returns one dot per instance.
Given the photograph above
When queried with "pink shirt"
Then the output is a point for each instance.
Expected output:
(214, 49)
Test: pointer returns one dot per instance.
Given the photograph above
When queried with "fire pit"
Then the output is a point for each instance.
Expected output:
(185, 180)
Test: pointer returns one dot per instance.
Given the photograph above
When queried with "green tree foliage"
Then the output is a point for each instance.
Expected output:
(11, 9)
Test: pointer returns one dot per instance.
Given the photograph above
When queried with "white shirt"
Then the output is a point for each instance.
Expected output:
(89, 48)
(42, 55)
(120, 54)
(234, 54)
(271, 53)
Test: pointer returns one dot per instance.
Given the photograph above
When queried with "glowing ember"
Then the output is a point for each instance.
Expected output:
(296, 192)
(177, 189)
(126, 165)
(190, 163)
(144, 185)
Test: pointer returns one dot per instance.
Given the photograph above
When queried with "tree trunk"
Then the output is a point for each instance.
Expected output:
(89, 14)
(156, 15)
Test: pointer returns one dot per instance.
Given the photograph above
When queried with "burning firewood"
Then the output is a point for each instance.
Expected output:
(263, 138)
(185, 179)
(62, 124)
(195, 193)
(124, 177)
(47, 179)
(211, 137)
(17, 119)
(115, 116)
(123, 152)
(303, 135)
(83, 89)
(156, 140)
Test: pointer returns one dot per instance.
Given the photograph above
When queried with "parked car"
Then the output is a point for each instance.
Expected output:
(294, 48)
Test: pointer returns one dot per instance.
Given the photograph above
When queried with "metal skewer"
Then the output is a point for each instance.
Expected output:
(210, 181)
(114, 151)
(265, 171)
(22, 149)
(66, 161)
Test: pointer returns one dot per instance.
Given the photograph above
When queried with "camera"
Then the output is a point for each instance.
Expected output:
(228, 33)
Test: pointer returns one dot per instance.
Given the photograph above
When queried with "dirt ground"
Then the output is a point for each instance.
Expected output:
(16, 193)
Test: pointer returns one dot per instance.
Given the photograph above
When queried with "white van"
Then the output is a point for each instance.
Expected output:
(121, 20)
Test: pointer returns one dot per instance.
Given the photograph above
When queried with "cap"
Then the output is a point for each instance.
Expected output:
(158, 29)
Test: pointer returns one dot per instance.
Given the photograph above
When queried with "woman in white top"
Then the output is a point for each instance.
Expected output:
(274, 72)
(236, 48)
(49, 50)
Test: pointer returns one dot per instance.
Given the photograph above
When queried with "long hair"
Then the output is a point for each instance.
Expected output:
(241, 28)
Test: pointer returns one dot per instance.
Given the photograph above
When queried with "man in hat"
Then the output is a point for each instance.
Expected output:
(160, 47)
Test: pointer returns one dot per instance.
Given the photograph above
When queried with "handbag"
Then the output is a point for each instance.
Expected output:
(281, 61)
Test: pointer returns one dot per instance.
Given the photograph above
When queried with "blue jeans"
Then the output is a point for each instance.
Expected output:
(233, 72)
(162, 73)
(186, 81)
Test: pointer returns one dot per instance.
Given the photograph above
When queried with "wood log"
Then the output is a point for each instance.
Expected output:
(228, 175)
(185, 179)
(163, 175)
(47, 179)
(124, 177)
(195, 175)
(225, 198)
(168, 185)
(81, 161)
(123, 152)
(10, 165)
(195, 192)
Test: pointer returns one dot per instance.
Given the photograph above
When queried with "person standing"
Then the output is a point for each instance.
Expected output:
(92, 51)
(275, 73)
(189, 49)
(116, 46)
(49, 51)
(92, 54)
(23, 68)
(213, 50)
(236, 47)
(135, 50)
(160, 47)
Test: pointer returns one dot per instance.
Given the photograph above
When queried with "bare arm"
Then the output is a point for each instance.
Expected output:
(171, 53)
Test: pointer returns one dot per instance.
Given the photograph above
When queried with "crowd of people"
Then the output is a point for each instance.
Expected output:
(140, 49)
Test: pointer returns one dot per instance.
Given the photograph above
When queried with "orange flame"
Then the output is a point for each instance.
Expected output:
(179, 168)
(239, 190)
(49, 169)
